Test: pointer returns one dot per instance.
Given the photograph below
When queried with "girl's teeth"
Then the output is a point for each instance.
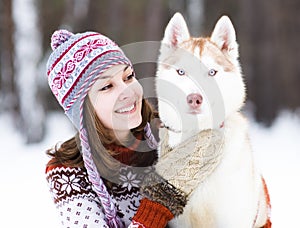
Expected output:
(126, 109)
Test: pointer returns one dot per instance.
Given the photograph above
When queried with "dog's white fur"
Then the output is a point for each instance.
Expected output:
(233, 195)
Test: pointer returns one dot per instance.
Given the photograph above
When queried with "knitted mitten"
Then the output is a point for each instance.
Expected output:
(181, 169)
(191, 162)
(161, 201)
(161, 191)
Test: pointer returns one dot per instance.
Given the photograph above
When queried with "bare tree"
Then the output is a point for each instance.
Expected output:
(8, 97)
(27, 41)
(195, 13)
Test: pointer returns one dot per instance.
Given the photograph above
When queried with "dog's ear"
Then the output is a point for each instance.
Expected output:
(176, 31)
(224, 37)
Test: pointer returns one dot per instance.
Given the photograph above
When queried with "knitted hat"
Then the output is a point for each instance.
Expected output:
(75, 64)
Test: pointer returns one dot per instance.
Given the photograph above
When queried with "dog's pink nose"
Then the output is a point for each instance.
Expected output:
(194, 100)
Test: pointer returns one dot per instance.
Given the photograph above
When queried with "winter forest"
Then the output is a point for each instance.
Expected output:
(31, 121)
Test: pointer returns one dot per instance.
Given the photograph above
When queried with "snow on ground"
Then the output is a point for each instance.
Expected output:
(277, 151)
(26, 202)
(24, 195)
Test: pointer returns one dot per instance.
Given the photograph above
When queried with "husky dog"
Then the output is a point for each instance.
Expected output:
(199, 86)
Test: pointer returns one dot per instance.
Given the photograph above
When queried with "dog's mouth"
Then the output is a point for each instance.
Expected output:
(194, 112)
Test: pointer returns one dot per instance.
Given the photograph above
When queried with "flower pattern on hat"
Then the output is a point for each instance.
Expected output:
(71, 66)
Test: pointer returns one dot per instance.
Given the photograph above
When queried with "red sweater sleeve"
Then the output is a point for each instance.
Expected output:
(151, 215)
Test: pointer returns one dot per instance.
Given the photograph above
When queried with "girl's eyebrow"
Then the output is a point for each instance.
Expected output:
(105, 77)
(125, 68)
(110, 76)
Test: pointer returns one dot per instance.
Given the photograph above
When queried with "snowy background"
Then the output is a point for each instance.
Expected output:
(26, 202)
(24, 197)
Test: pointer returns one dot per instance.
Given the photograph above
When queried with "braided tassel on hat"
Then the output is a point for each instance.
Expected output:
(98, 185)
(151, 141)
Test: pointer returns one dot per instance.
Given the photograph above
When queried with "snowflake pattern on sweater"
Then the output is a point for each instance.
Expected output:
(78, 204)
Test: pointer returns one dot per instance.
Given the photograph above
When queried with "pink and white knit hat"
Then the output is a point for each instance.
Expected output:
(75, 64)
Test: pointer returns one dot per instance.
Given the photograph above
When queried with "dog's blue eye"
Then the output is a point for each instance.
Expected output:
(180, 72)
(212, 72)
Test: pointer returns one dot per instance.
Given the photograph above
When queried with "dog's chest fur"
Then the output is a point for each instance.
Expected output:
(211, 204)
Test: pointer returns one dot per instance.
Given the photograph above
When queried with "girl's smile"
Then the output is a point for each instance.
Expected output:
(117, 99)
(128, 109)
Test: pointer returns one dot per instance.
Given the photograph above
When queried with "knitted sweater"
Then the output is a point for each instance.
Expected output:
(79, 206)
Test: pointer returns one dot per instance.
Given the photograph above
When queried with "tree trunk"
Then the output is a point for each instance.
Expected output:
(196, 14)
(8, 98)
(27, 40)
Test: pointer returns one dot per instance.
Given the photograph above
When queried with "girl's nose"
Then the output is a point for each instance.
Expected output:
(126, 91)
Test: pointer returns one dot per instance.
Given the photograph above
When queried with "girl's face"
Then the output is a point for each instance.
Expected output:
(117, 99)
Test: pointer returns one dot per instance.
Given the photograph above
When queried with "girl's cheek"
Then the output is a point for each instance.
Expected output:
(139, 89)
(104, 113)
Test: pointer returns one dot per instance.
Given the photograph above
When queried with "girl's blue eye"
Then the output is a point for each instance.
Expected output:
(131, 76)
(180, 72)
(212, 72)
(105, 87)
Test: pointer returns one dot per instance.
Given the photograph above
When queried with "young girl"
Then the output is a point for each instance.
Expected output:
(102, 177)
